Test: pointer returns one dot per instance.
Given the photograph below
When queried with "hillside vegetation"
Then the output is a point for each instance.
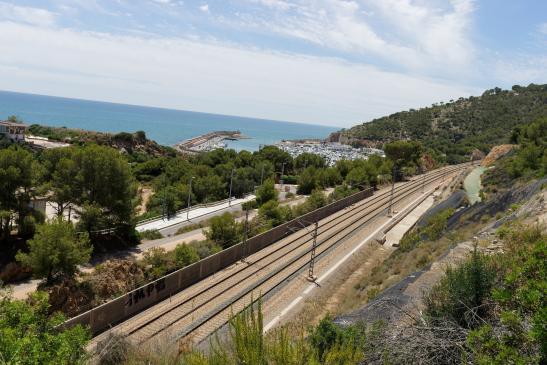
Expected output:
(452, 130)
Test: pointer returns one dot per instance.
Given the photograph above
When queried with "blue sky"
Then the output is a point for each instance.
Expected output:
(329, 62)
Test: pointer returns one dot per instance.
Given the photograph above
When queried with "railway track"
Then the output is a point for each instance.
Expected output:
(201, 309)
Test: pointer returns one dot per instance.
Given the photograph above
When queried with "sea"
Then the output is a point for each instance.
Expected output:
(165, 126)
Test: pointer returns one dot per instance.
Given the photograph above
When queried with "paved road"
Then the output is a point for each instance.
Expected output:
(172, 225)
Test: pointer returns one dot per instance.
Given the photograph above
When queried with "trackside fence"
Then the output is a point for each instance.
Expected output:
(123, 307)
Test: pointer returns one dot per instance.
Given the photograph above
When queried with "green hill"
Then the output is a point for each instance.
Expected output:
(452, 130)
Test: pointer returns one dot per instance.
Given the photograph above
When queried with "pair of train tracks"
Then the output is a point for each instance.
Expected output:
(206, 306)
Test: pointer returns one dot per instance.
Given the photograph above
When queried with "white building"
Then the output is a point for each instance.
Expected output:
(13, 131)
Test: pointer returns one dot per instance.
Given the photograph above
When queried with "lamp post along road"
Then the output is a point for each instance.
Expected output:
(282, 172)
(230, 194)
(245, 237)
(189, 194)
(390, 209)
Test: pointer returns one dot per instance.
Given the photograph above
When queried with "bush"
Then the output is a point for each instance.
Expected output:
(29, 336)
(436, 225)
(157, 262)
(462, 293)
(341, 192)
(274, 213)
(205, 248)
(151, 234)
(224, 230)
(185, 255)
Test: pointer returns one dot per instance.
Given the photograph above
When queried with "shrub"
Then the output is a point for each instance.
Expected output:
(29, 336)
(205, 248)
(151, 234)
(157, 262)
(462, 294)
(185, 255)
(224, 230)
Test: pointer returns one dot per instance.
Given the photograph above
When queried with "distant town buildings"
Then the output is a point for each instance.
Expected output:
(330, 151)
(13, 131)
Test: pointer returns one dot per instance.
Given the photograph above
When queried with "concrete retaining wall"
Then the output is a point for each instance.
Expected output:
(117, 310)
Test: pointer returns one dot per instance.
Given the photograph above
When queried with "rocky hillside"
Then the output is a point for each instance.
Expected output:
(452, 130)
(123, 141)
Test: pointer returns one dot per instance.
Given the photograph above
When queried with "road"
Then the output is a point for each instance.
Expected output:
(201, 309)
(169, 227)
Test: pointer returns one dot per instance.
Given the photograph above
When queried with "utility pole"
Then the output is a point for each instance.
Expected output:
(423, 182)
(231, 180)
(311, 276)
(390, 209)
(189, 194)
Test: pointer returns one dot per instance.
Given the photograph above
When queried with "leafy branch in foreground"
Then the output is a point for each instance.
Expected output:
(28, 335)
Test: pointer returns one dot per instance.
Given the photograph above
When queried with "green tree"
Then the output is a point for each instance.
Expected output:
(16, 180)
(266, 192)
(403, 153)
(224, 230)
(329, 177)
(28, 335)
(185, 255)
(307, 159)
(308, 181)
(277, 157)
(107, 182)
(61, 178)
(56, 249)
(243, 181)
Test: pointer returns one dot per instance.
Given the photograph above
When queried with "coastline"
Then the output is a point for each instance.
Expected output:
(165, 126)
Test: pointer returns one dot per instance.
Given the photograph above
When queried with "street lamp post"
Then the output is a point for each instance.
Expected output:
(390, 209)
(230, 194)
(189, 194)
(282, 172)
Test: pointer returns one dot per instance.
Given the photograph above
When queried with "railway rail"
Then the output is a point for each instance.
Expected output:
(204, 307)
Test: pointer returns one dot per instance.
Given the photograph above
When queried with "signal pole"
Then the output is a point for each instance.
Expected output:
(311, 276)
(423, 183)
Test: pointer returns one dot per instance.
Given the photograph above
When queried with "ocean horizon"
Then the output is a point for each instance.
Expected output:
(165, 126)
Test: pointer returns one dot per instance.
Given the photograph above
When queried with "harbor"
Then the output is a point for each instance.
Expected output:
(208, 142)
(330, 151)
